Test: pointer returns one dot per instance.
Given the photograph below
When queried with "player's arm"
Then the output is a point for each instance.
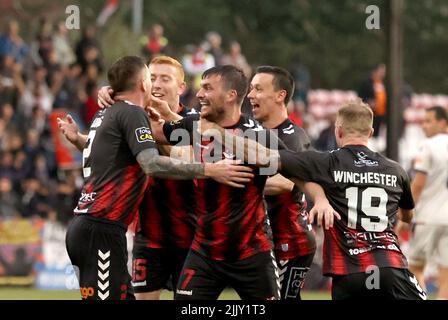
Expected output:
(418, 184)
(405, 215)
(184, 153)
(105, 97)
(277, 184)
(69, 129)
(322, 209)
(158, 122)
(406, 203)
(252, 151)
(159, 166)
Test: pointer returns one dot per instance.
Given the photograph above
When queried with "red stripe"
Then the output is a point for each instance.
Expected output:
(124, 209)
(151, 220)
(396, 259)
(220, 223)
(101, 204)
(254, 218)
(181, 231)
(366, 259)
(201, 211)
(334, 257)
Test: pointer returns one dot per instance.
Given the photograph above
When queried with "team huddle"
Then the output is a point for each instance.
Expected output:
(209, 215)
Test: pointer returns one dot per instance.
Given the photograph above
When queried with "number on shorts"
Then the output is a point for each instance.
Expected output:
(139, 270)
(189, 273)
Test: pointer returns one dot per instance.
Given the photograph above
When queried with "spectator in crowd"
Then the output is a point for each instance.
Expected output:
(9, 200)
(373, 92)
(90, 107)
(327, 140)
(44, 42)
(213, 46)
(64, 52)
(71, 91)
(195, 62)
(11, 44)
(155, 43)
(88, 49)
(11, 82)
(7, 164)
(237, 59)
(36, 93)
(34, 199)
(21, 169)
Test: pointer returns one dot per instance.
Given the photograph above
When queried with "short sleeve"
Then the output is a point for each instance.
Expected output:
(305, 165)
(406, 200)
(134, 124)
(297, 141)
(423, 159)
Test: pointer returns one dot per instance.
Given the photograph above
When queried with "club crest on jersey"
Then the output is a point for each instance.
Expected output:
(289, 129)
(143, 135)
(363, 161)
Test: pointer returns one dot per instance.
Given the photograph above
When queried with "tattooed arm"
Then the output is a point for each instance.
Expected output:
(252, 151)
(159, 166)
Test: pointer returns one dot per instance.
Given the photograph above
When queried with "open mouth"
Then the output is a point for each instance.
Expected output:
(255, 106)
(157, 94)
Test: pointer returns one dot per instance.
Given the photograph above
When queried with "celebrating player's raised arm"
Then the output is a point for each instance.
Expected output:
(69, 129)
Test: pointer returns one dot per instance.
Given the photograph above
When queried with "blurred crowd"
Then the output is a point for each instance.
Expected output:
(36, 78)
(51, 72)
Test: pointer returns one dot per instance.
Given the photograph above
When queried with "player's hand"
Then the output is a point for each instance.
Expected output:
(229, 172)
(154, 115)
(324, 212)
(69, 128)
(400, 229)
(160, 106)
(105, 99)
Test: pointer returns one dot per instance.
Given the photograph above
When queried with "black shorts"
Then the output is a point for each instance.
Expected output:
(156, 269)
(254, 278)
(98, 250)
(390, 284)
(292, 275)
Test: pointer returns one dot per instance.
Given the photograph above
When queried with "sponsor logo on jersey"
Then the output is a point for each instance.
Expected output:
(143, 135)
(175, 122)
(364, 162)
(87, 197)
(295, 281)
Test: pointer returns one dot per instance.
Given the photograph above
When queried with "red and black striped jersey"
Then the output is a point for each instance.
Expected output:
(366, 189)
(167, 218)
(232, 223)
(114, 182)
(293, 235)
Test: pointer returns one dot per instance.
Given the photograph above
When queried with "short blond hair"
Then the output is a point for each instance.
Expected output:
(356, 117)
(169, 61)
